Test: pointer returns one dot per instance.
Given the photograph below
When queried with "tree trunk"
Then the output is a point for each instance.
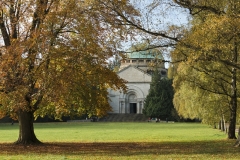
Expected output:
(26, 130)
(223, 124)
(233, 101)
(237, 144)
(232, 124)
(219, 125)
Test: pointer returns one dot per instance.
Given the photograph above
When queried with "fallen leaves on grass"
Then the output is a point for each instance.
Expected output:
(186, 148)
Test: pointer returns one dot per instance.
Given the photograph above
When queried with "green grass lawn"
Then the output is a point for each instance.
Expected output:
(120, 141)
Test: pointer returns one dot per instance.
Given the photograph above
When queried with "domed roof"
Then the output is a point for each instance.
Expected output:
(142, 51)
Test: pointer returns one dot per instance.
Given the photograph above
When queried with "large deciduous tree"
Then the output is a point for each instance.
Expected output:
(53, 58)
(210, 52)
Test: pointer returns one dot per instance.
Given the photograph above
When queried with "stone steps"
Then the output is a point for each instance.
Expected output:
(124, 118)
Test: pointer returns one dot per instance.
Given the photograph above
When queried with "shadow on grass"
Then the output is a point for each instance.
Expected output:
(125, 149)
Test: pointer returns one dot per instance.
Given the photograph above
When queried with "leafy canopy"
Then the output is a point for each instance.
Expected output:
(53, 55)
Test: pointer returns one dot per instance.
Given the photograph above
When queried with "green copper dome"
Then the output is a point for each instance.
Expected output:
(141, 51)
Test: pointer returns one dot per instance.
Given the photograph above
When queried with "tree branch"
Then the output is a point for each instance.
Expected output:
(188, 4)
(5, 34)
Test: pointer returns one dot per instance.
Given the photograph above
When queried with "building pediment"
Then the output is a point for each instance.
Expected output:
(133, 74)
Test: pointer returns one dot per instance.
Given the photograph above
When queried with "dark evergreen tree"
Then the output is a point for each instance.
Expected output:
(159, 102)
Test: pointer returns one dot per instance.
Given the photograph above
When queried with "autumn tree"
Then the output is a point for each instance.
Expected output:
(53, 58)
(191, 101)
(209, 55)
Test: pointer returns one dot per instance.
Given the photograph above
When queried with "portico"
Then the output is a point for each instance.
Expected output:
(132, 101)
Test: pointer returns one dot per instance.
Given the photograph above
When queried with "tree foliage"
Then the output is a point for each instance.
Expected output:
(53, 58)
(159, 101)
(209, 68)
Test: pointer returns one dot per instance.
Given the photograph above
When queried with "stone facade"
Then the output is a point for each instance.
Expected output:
(133, 100)
(135, 71)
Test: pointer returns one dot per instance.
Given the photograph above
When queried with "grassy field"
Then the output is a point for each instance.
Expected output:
(120, 141)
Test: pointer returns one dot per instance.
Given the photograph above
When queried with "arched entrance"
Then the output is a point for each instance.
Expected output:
(132, 99)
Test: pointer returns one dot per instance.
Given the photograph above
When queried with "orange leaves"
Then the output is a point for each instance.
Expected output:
(56, 63)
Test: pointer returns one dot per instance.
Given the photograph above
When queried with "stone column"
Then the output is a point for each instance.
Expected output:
(120, 107)
(123, 106)
(140, 107)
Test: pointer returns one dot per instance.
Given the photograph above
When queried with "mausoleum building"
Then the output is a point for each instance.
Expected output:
(136, 69)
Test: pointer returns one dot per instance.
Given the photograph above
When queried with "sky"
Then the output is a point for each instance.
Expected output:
(158, 17)
(162, 12)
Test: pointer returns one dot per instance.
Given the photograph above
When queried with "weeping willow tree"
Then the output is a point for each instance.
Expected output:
(209, 53)
(192, 102)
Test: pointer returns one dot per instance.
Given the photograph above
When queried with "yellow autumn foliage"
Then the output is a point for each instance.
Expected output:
(53, 56)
